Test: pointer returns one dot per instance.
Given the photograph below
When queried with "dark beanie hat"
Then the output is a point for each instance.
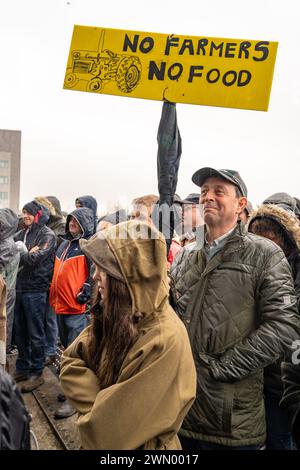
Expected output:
(32, 207)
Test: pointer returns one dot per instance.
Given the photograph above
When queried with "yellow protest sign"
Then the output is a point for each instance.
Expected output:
(233, 73)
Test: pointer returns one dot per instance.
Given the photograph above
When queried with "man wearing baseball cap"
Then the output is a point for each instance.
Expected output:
(234, 292)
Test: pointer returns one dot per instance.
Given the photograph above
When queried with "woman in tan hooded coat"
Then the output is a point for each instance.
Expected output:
(131, 374)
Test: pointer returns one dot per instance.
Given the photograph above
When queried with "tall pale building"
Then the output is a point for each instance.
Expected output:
(10, 156)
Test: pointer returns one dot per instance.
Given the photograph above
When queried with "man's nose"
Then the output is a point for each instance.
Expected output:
(208, 196)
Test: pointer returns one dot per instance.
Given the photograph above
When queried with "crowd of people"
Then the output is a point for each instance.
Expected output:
(192, 345)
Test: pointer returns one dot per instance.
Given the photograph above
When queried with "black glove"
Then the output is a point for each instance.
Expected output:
(84, 294)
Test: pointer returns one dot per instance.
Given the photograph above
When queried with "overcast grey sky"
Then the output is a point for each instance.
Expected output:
(76, 143)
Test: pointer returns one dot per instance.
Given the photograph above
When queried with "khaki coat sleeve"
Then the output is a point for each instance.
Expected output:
(155, 389)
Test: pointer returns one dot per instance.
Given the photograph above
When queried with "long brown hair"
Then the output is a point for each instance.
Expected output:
(113, 332)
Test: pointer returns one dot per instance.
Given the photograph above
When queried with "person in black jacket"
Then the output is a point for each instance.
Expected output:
(291, 396)
(33, 281)
(278, 223)
(57, 223)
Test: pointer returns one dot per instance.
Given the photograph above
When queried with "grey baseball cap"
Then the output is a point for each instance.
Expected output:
(230, 175)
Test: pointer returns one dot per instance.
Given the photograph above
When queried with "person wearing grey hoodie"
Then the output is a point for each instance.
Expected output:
(9, 263)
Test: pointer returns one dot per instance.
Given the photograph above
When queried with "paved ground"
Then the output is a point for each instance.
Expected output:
(40, 426)
(41, 404)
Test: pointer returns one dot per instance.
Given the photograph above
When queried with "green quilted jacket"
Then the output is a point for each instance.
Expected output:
(240, 311)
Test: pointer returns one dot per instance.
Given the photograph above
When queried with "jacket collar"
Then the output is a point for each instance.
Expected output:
(234, 243)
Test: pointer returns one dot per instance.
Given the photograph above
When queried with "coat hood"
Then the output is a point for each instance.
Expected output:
(52, 203)
(88, 201)
(91, 203)
(85, 218)
(283, 200)
(43, 216)
(285, 218)
(8, 223)
(297, 210)
(56, 220)
(138, 252)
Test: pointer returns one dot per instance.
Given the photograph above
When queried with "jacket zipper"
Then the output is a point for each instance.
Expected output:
(62, 262)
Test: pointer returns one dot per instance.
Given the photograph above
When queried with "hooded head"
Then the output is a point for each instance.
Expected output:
(8, 223)
(297, 210)
(53, 204)
(135, 253)
(56, 220)
(85, 218)
(283, 200)
(89, 202)
(277, 224)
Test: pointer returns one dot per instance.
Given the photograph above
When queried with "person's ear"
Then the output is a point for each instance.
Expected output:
(241, 204)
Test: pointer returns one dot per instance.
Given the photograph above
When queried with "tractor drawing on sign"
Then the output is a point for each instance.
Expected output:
(103, 66)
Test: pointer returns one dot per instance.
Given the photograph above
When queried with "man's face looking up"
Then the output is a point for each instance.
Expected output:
(221, 205)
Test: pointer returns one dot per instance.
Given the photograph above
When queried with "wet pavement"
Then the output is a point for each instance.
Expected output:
(48, 432)
(44, 438)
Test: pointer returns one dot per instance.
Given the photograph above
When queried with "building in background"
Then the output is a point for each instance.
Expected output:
(10, 157)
